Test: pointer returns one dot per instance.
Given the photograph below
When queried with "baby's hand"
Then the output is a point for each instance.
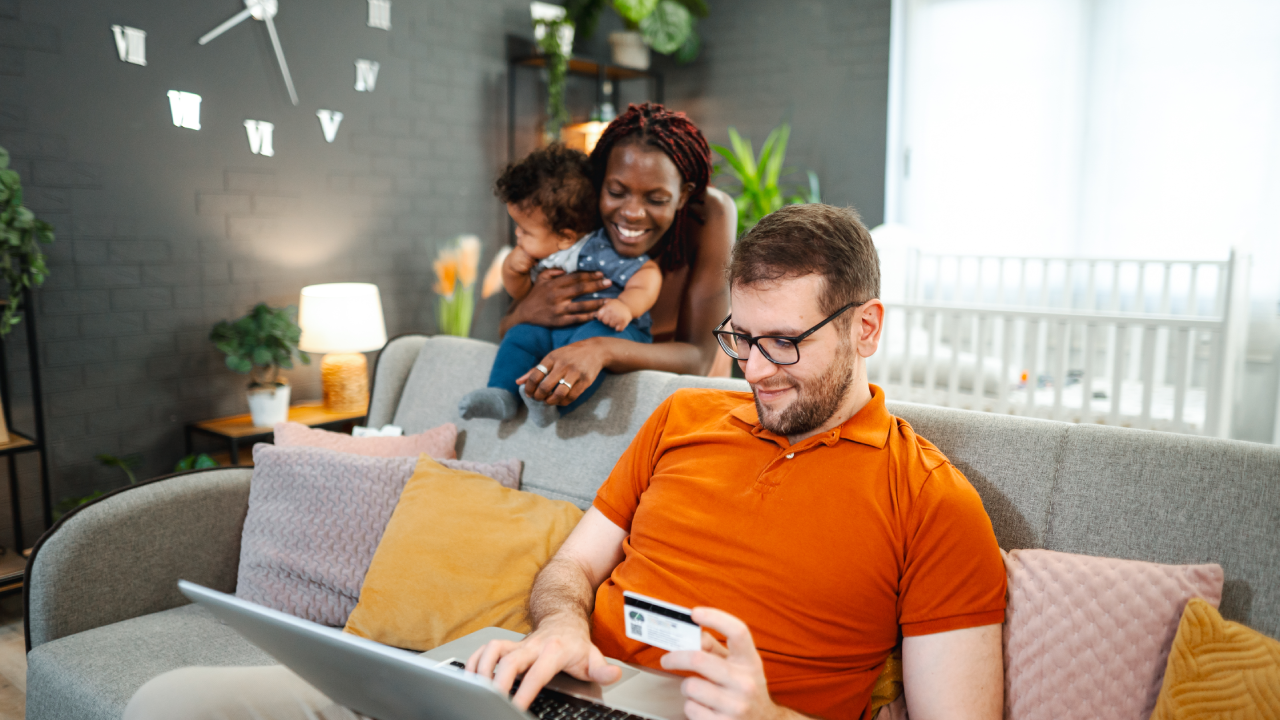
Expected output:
(520, 261)
(615, 314)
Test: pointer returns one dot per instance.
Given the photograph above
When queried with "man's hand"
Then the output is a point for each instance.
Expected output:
(732, 683)
(558, 644)
(615, 314)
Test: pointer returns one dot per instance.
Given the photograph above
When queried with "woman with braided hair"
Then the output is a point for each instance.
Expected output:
(651, 167)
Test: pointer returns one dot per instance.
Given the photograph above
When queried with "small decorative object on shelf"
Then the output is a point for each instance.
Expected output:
(259, 344)
(456, 268)
(667, 26)
(344, 321)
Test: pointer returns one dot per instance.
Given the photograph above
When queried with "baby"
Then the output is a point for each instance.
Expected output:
(550, 197)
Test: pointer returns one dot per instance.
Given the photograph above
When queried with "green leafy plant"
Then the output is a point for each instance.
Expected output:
(759, 192)
(260, 343)
(21, 235)
(195, 462)
(127, 464)
(555, 40)
(667, 26)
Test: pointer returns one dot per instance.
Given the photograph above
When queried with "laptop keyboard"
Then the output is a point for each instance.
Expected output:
(555, 705)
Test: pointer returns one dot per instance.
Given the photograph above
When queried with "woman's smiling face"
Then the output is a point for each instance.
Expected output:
(642, 192)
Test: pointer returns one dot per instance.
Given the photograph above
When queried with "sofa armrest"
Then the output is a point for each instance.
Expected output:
(389, 375)
(121, 556)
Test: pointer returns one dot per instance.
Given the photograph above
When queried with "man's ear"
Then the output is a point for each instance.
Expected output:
(866, 331)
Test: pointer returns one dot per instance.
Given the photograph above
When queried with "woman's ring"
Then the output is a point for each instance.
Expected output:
(565, 383)
(542, 368)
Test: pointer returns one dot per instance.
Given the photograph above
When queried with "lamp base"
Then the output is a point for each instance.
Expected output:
(345, 378)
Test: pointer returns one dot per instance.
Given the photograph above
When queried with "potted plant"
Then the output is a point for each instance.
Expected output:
(259, 344)
(759, 193)
(666, 26)
(456, 266)
(21, 236)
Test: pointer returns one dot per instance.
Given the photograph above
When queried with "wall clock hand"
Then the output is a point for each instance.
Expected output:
(263, 10)
(284, 67)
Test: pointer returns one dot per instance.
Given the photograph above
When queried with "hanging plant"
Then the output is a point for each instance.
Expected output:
(553, 31)
(21, 236)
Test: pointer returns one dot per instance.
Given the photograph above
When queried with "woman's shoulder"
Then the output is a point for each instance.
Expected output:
(716, 205)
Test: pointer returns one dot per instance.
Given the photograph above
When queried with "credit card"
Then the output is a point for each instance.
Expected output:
(660, 624)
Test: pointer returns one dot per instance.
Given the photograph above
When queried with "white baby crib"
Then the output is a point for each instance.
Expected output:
(1151, 344)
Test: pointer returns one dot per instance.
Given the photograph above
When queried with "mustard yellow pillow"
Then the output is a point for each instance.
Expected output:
(1219, 669)
(459, 554)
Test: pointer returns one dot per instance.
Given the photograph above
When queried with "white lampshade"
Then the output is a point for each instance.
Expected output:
(341, 318)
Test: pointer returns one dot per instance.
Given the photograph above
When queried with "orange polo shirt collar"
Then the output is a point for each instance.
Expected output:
(869, 426)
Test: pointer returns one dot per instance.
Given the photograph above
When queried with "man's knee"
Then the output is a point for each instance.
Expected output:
(230, 693)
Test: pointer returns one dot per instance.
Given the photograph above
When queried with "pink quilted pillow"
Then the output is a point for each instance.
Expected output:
(315, 518)
(1089, 636)
(438, 442)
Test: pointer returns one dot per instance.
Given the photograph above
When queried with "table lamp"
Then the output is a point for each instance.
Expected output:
(344, 321)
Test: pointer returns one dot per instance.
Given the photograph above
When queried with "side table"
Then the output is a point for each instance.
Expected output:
(238, 429)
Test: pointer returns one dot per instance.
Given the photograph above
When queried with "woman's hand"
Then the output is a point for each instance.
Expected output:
(578, 364)
(550, 303)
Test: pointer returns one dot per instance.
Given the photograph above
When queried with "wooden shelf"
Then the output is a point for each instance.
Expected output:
(16, 442)
(13, 565)
(310, 414)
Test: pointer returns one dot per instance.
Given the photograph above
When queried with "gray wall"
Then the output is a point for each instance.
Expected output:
(823, 65)
(163, 231)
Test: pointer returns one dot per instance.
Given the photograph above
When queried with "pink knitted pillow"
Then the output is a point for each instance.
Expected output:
(438, 442)
(315, 519)
(1089, 636)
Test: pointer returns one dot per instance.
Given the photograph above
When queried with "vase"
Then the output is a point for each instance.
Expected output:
(629, 49)
(269, 405)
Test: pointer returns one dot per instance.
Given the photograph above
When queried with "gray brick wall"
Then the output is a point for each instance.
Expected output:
(161, 231)
(821, 64)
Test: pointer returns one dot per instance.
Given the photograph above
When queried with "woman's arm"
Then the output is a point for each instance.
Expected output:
(705, 303)
(550, 302)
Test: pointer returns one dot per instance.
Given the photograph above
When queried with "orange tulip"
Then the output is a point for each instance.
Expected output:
(447, 272)
(468, 259)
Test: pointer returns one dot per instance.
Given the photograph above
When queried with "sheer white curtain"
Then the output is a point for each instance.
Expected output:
(1139, 128)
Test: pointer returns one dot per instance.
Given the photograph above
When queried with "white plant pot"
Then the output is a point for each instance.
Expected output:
(629, 49)
(268, 406)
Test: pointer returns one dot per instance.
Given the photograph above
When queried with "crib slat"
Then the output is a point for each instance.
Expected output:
(1031, 346)
(931, 364)
(953, 379)
(1181, 378)
(1164, 288)
(1086, 395)
(1148, 373)
(1117, 372)
(1059, 370)
(1006, 357)
(1091, 298)
(980, 364)
(1214, 424)
(1115, 287)
(1193, 292)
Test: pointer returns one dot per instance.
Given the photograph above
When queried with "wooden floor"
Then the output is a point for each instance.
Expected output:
(13, 660)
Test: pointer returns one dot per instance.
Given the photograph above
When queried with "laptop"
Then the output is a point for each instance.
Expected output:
(389, 683)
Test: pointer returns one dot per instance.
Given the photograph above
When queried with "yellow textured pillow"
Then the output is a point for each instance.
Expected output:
(1219, 669)
(459, 554)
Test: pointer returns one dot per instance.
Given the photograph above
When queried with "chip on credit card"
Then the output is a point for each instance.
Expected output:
(660, 624)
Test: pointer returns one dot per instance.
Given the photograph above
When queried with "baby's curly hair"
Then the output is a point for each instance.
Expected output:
(557, 181)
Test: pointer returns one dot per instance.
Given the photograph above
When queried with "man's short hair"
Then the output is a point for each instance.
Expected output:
(811, 239)
(557, 181)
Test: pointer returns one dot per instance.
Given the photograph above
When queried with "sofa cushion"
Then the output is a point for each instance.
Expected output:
(1091, 632)
(438, 442)
(1177, 499)
(459, 555)
(91, 675)
(315, 518)
(1219, 668)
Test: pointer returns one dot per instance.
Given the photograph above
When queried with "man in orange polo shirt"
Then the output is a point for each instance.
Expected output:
(804, 523)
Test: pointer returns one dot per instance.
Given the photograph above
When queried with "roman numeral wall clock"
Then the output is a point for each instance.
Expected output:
(184, 106)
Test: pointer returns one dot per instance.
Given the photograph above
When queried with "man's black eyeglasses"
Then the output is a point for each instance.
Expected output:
(777, 349)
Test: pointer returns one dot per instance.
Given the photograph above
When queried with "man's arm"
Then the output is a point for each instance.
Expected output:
(560, 605)
(957, 674)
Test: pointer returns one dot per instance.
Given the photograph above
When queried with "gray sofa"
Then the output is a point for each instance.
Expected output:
(103, 614)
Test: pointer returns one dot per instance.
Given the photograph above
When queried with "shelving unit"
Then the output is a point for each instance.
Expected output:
(523, 56)
(13, 565)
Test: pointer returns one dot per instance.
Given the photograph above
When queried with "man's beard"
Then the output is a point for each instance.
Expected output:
(816, 400)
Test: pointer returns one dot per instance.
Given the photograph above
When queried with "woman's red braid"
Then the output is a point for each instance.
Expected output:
(674, 134)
